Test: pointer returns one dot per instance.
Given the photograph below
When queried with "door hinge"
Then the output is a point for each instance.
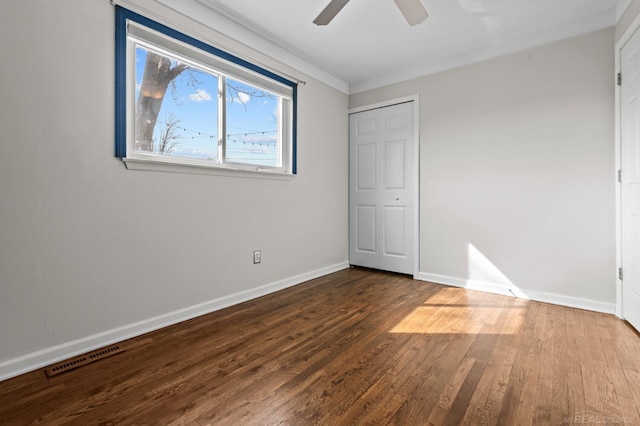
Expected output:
(620, 175)
(619, 79)
(620, 275)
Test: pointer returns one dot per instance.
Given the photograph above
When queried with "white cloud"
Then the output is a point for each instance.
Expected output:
(244, 97)
(201, 95)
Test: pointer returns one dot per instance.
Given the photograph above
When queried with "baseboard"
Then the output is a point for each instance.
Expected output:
(513, 291)
(42, 358)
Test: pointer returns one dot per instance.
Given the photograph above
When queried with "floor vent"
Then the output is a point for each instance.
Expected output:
(79, 361)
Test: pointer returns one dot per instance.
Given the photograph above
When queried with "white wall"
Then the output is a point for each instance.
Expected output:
(91, 252)
(517, 172)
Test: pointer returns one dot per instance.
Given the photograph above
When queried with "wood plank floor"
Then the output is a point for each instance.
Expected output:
(355, 347)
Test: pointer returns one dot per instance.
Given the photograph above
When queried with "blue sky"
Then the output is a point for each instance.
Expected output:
(251, 117)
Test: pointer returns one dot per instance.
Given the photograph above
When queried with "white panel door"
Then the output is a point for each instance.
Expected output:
(382, 181)
(630, 183)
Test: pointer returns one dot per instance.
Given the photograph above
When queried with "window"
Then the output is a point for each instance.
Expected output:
(182, 102)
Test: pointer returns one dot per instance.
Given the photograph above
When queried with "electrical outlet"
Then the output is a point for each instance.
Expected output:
(257, 256)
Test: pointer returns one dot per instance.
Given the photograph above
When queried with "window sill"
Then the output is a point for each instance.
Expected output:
(217, 170)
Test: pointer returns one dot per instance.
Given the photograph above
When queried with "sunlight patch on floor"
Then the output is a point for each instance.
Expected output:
(460, 311)
(459, 320)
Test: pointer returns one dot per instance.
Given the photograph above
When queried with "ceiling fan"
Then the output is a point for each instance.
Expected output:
(412, 10)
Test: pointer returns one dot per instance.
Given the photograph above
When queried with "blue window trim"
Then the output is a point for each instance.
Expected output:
(122, 15)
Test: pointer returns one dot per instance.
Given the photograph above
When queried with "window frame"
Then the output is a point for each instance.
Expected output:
(220, 62)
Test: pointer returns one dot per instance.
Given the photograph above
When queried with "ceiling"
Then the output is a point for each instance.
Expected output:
(369, 44)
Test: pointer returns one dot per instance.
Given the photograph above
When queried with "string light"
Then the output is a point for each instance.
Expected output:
(231, 137)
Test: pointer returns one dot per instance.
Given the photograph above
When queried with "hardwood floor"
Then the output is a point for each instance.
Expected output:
(355, 347)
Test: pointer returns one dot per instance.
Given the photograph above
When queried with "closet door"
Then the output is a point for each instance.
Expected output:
(382, 181)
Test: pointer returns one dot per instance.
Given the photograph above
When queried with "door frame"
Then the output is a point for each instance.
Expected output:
(416, 166)
(624, 39)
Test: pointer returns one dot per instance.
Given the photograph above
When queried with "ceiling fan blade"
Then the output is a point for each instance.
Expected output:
(412, 10)
(330, 12)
